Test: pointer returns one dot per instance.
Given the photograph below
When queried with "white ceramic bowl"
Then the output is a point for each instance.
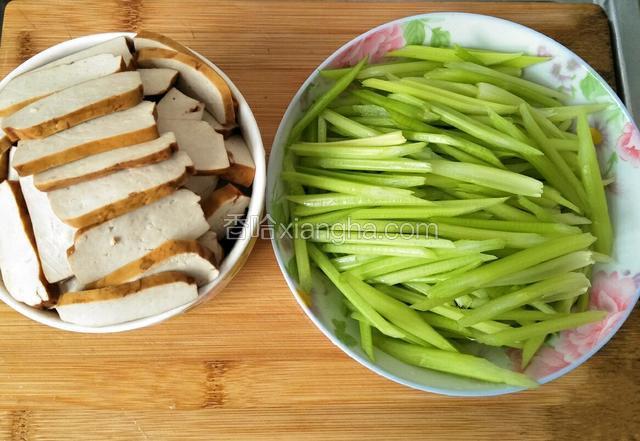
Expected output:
(616, 285)
(232, 262)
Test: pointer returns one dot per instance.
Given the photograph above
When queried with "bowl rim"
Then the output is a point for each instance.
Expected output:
(232, 263)
(278, 139)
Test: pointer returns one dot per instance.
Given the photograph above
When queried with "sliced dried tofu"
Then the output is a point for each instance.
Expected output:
(196, 79)
(202, 185)
(157, 81)
(119, 129)
(115, 46)
(242, 169)
(130, 301)
(101, 249)
(53, 237)
(185, 256)
(177, 105)
(74, 105)
(225, 208)
(224, 130)
(33, 85)
(19, 262)
(120, 192)
(210, 241)
(146, 39)
(106, 163)
(204, 145)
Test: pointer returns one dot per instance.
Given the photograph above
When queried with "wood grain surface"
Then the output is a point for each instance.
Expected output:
(249, 365)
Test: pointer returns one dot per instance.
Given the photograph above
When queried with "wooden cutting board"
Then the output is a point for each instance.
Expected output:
(249, 365)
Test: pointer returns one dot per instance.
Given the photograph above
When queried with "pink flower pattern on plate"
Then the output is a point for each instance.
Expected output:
(629, 144)
(376, 45)
(610, 292)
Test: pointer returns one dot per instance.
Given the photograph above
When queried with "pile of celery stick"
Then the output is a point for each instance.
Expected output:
(449, 200)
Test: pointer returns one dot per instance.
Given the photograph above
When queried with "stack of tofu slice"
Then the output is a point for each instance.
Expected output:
(120, 175)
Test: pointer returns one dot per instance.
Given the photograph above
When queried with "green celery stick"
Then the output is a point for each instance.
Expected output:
(366, 339)
(531, 346)
(568, 282)
(527, 315)
(524, 61)
(392, 105)
(323, 219)
(407, 123)
(445, 55)
(569, 177)
(524, 87)
(383, 179)
(456, 154)
(508, 70)
(491, 92)
(379, 250)
(375, 122)
(554, 195)
(450, 312)
(504, 125)
(440, 322)
(299, 245)
(465, 76)
(498, 179)
(302, 262)
(347, 200)
(461, 88)
(549, 129)
(352, 295)
(385, 140)
(408, 99)
(539, 212)
(350, 261)
(358, 152)
(511, 239)
(559, 298)
(592, 181)
(323, 101)
(380, 70)
(322, 129)
(543, 307)
(571, 219)
(483, 132)
(424, 84)
(347, 125)
(372, 238)
(428, 269)
(432, 94)
(379, 267)
(441, 209)
(521, 227)
(302, 211)
(342, 186)
(403, 165)
(444, 276)
(569, 145)
(522, 333)
(453, 363)
(398, 313)
(567, 113)
(361, 110)
(450, 289)
(509, 213)
(463, 144)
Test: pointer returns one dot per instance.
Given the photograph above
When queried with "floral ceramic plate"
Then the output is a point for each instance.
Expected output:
(615, 286)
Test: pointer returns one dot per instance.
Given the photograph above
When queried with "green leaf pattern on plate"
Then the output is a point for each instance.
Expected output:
(414, 32)
(440, 37)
